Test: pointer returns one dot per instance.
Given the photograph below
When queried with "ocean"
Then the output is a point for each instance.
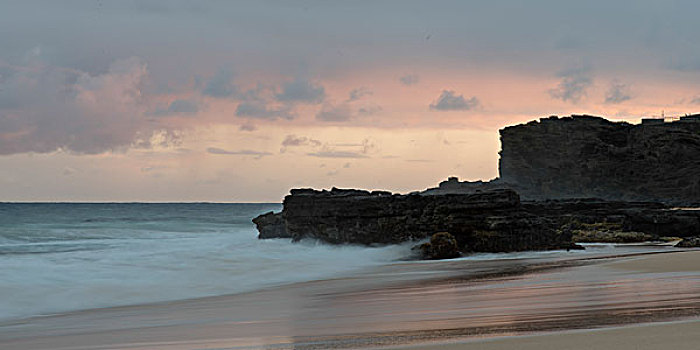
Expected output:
(60, 257)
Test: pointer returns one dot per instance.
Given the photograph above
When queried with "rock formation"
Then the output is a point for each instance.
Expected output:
(490, 221)
(442, 245)
(271, 225)
(585, 156)
(602, 180)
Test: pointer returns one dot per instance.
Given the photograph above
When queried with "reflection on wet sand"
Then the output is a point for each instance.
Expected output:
(397, 304)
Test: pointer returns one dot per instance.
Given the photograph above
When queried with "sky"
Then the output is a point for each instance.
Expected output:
(239, 101)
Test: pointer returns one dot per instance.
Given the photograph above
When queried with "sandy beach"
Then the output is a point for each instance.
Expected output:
(494, 304)
(676, 335)
(680, 335)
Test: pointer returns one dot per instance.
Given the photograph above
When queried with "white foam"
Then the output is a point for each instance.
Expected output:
(127, 271)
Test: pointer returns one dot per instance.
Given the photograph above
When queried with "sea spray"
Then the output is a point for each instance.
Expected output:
(61, 257)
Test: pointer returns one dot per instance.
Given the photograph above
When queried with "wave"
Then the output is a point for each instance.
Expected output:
(47, 278)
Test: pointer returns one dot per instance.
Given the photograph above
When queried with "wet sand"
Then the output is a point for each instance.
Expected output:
(675, 335)
(662, 263)
(405, 305)
(679, 335)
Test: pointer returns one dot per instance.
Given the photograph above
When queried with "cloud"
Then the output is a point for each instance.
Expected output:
(695, 100)
(359, 93)
(369, 110)
(335, 113)
(573, 85)
(244, 152)
(409, 79)
(179, 106)
(260, 110)
(449, 101)
(296, 141)
(247, 127)
(337, 154)
(293, 141)
(44, 108)
(301, 90)
(347, 150)
(260, 103)
(220, 85)
(617, 93)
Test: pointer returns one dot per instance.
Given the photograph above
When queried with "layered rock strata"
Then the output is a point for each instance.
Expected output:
(489, 221)
(639, 171)
(484, 221)
(585, 156)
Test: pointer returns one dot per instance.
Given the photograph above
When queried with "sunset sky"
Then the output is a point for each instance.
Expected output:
(241, 101)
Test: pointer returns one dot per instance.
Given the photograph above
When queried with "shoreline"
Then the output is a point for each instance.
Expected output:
(418, 270)
(394, 305)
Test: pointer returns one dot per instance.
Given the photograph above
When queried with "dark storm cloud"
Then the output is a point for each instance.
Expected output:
(573, 86)
(450, 101)
(617, 93)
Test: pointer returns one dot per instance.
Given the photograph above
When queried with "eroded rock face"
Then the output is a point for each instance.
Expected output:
(271, 225)
(586, 156)
(489, 221)
(578, 169)
(595, 220)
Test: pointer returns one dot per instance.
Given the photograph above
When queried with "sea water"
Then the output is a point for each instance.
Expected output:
(59, 257)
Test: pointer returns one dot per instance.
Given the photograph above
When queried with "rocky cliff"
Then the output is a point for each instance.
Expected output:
(631, 175)
(488, 221)
(482, 221)
(586, 156)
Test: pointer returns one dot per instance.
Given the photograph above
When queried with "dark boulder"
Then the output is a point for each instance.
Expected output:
(442, 246)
